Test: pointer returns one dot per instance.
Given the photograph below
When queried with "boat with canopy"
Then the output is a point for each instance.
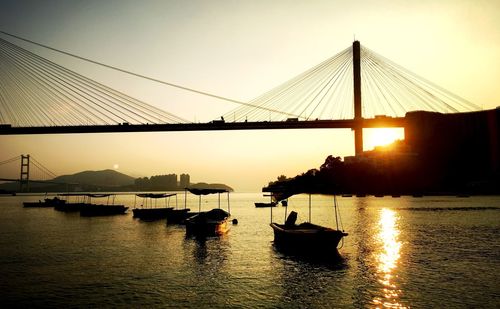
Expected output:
(208, 223)
(179, 215)
(307, 238)
(72, 202)
(149, 209)
(89, 210)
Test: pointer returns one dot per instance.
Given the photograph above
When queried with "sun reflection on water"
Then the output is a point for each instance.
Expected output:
(387, 259)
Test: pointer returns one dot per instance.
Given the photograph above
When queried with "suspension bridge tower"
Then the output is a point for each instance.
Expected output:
(24, 179)
(358, 117)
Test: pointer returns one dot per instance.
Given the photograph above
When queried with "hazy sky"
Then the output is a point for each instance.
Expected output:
(240, 49)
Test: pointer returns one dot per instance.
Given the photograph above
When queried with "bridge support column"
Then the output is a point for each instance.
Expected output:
(24, 179)
(358, 129)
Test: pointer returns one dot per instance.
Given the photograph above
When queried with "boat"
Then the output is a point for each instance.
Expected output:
(179, 215)
(262, 205)
(91, 210)
(208, 223)
(37, 204)
(306, 238)
(47, 202)
(272, 203)
(148, 211)
(73, 202)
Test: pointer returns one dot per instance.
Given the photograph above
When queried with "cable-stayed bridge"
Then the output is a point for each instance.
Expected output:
(356, 88)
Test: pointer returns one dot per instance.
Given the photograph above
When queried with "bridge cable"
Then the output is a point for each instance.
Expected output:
(137, 74)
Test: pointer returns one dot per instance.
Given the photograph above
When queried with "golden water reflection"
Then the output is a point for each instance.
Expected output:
(387, 259)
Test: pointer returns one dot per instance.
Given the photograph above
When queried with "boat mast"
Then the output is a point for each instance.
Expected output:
(335, 207)
(309, 207)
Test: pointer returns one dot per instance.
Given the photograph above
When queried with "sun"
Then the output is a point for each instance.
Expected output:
(116, 166)
(381, 137)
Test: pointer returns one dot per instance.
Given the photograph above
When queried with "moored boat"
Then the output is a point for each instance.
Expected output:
(208, 223)
(148, 211)
(272, 202)
(47, 202)
(73, 202)
(307, 238)
(91, 210)
(38, 204)
(262, 205)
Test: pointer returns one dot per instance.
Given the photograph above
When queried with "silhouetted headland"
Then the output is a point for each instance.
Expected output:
(441, 154)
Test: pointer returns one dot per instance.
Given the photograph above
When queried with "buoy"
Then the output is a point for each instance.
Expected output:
(235, 221)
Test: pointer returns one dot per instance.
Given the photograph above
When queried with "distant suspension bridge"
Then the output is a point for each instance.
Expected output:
(31, 170)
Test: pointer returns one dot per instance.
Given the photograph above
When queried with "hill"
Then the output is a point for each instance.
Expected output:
(204, 185)
(105, 178)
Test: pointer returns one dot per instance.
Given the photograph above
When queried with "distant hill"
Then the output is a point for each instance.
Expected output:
(204, 185)
(105, 178)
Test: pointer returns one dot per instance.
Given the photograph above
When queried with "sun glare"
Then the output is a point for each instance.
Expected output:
(381, 137)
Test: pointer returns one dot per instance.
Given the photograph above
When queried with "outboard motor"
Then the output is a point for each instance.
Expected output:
(292, 218)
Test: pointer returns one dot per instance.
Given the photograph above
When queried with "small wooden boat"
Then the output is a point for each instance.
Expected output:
(307, 238)
(209, 223)
(179, 215)
(91, 210)
(73, 202)
(272, 202)
(262, 205)
(148, 211)
(47, 202)
(37, 204)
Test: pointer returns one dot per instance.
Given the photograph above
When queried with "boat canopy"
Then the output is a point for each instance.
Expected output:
(156, 195)
(197, 191)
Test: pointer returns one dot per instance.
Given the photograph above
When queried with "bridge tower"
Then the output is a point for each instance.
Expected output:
(24, 179)
(358, 129)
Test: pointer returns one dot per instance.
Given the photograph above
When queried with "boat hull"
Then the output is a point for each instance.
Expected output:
(38, 204)
(178, 216)
(151, 213)
(70, 207)
(262, 205)
(307, 238)
(91, 210)
(206, 224)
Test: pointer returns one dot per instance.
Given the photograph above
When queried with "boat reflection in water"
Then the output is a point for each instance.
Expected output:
(387, 259)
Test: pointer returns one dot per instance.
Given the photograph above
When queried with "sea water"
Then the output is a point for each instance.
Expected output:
(430, 252)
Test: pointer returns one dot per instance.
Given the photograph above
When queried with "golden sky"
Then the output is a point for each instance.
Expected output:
(240, 49)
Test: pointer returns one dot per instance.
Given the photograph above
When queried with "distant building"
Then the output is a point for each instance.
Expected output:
(185, 181)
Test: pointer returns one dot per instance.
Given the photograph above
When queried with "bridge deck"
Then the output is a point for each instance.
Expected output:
(382, 122)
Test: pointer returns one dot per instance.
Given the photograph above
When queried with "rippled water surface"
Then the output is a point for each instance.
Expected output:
(430, 252)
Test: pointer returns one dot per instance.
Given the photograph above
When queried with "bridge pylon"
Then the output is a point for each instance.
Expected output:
(24, 179)
(358, 129)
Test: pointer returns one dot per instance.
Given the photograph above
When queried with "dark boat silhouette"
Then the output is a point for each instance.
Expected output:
(179, 215)
(47, 202)
(148, 211)
(73, 202)
(208, 223)
(91, 210)
(262, 205)
(306, 238)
